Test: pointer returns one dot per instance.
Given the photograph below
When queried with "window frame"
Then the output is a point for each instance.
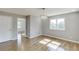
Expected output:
(56, 24)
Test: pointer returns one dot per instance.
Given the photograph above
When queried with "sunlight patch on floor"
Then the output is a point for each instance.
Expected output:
(47, 40)
(53, 46)
(44, 41)
(56, 43)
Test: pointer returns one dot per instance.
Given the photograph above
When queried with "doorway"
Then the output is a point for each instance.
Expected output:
(21, 31)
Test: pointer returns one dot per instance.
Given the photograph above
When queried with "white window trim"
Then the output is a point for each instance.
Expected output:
(56, 25)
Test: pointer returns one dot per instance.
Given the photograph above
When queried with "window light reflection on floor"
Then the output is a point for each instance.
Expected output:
(45, 41)
(56, 43)
(53, 46)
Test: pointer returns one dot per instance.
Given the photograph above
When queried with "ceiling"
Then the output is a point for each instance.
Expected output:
(38, 11)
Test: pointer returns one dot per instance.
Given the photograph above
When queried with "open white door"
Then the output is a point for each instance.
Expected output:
(5, 28)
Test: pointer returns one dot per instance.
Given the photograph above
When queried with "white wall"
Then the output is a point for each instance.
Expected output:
(14, 27)
(8, 20)
(71, 24)
(33, 26)
(6, 28)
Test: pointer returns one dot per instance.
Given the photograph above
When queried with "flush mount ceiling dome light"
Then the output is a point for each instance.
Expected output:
(44, 14)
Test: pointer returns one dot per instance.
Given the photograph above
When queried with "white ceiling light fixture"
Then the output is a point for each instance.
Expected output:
(44, 14)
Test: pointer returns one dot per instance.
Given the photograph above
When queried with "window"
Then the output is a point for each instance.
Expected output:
(53, 24)
(57, 24)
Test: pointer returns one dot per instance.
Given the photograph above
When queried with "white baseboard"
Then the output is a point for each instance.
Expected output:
(63, 39)
(7, 40)
(34, 36)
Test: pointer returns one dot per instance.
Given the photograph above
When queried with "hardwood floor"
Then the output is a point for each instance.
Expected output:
(8, 46)
(44, 43)
(41, 43)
